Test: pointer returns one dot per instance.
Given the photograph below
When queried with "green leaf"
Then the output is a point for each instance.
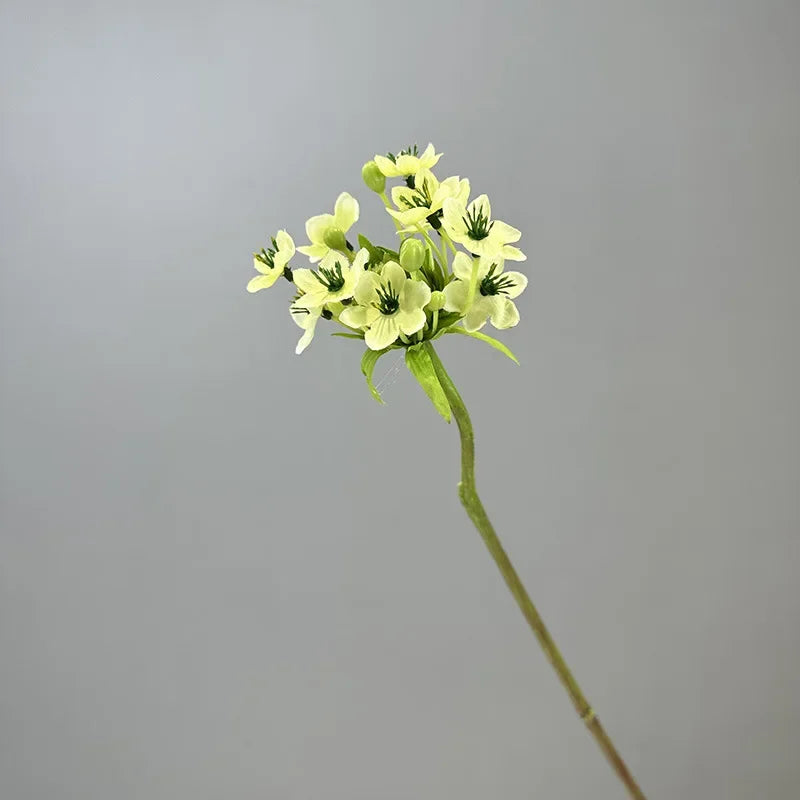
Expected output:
(347, 335)
(446, 318)
(488, 339)
(420, 365)
(389, 255)
(368, 362)
(375, 253)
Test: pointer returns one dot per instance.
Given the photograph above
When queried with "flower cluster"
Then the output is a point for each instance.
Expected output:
(447, 274)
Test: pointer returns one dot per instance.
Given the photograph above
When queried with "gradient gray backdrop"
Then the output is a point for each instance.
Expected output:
(225, 572)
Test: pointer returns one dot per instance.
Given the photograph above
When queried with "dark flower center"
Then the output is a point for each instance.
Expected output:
(388, 299)
(495, 284)
(478, 225)
(330, 277)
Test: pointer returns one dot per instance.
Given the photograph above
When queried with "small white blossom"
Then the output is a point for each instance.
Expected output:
(427, 197)
(307, 319)
(407, 162)
(494, 292)
(334, 280)
(387, 305)
(323, 226)
(474, 228)
(270, 263)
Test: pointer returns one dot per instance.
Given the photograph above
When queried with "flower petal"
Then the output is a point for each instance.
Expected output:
(410, 217)
(463, 191)
(285, 244)
(401, 193)
(513, 253)
(366, 288)
(314, 251)
(305, 339)
(360, 261)
(407, 164)
(262, 281)
(519, 282)
(411, 321)
(505, 233)
(345, 212)
(317, 226)
(425, 180)
(305, 281)
(415, 295)
(393, 273)
(481, 309)
(480, 205)
(453, 218)
(504, 314)
(429, 156)
(462, 266)
(386, 166)
(455, 296)
(382, 332)
(358, 316)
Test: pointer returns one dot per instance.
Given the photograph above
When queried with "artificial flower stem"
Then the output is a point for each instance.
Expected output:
(443, 267)
(446, 238)
(473, 284)
(444, 255)
(474, 508)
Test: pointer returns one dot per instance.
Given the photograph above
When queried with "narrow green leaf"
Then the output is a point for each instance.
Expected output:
(368, 362)
(348, 335)
(364, 242)
(488, 339)
(419, 364)
(447, 318)
(389, 255)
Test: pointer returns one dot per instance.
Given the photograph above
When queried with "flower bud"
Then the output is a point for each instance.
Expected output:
(436, 302)
(412, 254)
(334, 238)
(373, 177)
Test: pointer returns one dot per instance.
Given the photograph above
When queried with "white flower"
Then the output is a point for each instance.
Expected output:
(388, 304)
(307, 319)
(270, 263)
(334, 280)
(407, 162)
(494, 292)
(326, 226)
(426, 198)
(473, 227)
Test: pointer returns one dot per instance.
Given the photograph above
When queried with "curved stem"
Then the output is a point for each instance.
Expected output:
(474, 508)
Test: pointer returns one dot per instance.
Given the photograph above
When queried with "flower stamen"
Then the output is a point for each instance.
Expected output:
(477, 224)
(331, 277)
(495, 284)
(388, 300)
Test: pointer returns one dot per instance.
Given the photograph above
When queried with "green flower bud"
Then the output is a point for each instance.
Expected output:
(436, 302)
(412, 254)
(373, 177)
(334, 238)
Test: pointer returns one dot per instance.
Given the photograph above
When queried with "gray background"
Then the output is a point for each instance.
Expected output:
(226, 572)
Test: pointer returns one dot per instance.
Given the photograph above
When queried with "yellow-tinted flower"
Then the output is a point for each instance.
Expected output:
(329, 226)
(270, 263)
(474, 228)
(333, 281)
(494, 292)
(426, 198)
(407, 162)
(387, 305)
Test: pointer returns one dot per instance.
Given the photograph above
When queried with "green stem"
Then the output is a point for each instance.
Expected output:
(474, 508)
(446, 238)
